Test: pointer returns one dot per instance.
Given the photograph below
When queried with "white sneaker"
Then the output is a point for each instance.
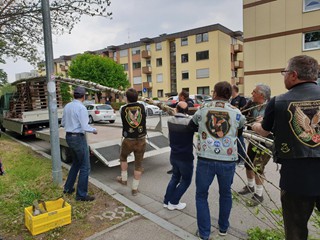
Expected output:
(165, 205)
(178, 206)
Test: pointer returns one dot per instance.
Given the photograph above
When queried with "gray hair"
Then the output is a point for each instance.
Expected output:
(306, 67)
(264, 90)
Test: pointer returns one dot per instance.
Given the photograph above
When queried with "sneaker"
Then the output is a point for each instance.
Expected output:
(119, 180)
(170, 171)
(255, 200)
(178, 206)
(165, 205)
(202, 238)
(87, 198)
(222, 233)
(246, 189)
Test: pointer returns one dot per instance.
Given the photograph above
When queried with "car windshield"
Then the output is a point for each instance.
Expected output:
(104, 107)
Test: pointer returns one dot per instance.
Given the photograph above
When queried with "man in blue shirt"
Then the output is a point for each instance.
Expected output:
(75, 122)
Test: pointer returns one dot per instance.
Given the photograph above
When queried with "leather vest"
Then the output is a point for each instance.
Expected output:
(297, 123)
(133, 116)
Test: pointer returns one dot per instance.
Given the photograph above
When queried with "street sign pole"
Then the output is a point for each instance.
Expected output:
(52, 99)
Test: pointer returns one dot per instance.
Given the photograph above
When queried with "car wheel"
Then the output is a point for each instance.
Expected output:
(2, 128)
(91, 119)
(150, 112)
(111, 121)
(65, 154)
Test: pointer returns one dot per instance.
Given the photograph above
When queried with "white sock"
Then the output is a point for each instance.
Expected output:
(251, 182)
(135, 184)
(259, 190)
(124, 175)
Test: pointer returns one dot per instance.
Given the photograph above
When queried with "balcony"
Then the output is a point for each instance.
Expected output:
(147, 85)
(238, 48)
(146, 70)
(146, 54)
(238, 64)
(237, 80)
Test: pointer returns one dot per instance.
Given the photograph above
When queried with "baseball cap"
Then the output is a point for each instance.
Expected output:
(80, 91)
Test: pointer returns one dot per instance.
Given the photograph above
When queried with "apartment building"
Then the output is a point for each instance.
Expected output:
(273, 32)
(194, 60)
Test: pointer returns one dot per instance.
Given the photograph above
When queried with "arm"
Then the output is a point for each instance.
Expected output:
(265, 127)
(194, 122)
(84, 119)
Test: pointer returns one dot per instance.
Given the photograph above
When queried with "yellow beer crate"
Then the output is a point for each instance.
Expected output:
(58, 214)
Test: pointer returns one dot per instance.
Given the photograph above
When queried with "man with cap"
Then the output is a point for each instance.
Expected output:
(75, 122)
(181, 157)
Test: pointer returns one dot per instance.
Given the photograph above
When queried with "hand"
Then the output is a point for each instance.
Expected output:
(259, 119)
(95, 132)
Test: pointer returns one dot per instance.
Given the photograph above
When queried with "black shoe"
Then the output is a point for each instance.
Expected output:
(170, 171)
(246, 189)
(87, 198)
(69, 192)
(256, 200)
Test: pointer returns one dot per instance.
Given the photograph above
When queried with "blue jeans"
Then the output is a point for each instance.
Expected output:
(80, 163)
(180, 180)
(205, 173)
(241, 149)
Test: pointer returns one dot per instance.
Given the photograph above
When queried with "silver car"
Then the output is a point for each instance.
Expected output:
(101, 112)
(151, 109)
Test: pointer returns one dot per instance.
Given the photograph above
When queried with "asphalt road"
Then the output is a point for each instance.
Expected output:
(155, 180)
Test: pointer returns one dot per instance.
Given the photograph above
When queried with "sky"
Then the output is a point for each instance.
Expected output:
(136, 19)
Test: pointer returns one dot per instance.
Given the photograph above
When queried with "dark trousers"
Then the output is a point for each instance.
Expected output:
(297, 210)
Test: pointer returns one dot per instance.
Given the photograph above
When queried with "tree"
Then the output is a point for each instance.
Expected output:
(21, 23)
(102, 70)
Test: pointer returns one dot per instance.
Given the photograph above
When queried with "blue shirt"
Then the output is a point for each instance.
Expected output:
(75, 118)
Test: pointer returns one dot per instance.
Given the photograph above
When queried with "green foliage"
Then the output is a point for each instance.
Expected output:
(7, 88)
(102, 70)
(267, 234)
(117, 105)
(65, 93)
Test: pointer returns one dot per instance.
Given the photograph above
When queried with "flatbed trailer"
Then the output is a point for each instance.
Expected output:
(106, 144)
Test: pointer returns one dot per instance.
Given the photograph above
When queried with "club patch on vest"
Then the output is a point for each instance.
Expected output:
(304, 122)
(133, 116)
(218, 123)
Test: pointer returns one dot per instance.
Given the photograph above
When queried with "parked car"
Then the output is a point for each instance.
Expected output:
(172, 101)
(151, 109)
(101, 112)
(199, 99)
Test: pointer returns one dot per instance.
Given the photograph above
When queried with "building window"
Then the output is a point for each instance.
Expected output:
(160, 93)
(159, 78)
(135, 50)
(203, 90)
(148, 47)
(310, 5)
(202, 37)
(124, 53)
(311, 40)
(159, 62)
(137, 80)
(125, 66)
(115, 56)
(203, 73)
(184, 58)
(185, 75)
(158, 46)
(149, 78)
(136, 65)
(185, 89)
(184, 41)
(148, 63)
(202, 55)
(149, 93)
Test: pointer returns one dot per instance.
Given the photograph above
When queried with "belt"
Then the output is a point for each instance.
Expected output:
(75, 134)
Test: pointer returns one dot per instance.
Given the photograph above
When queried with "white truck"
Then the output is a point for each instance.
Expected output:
(26, 110)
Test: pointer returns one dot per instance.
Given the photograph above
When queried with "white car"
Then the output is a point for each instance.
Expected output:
(101, 112)
(151, 109)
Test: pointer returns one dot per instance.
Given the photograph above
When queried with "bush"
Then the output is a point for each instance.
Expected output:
(117, 105)
(267, 234)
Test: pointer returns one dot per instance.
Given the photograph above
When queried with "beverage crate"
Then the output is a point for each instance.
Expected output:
(58, 214)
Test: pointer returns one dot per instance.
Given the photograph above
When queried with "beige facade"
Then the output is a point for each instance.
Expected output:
(162, 66)
(274, 31)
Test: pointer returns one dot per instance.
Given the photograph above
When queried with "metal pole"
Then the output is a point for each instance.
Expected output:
(52, 100)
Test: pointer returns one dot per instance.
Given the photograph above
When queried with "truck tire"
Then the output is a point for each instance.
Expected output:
(2, 128)
(65, 154)
(111, 121)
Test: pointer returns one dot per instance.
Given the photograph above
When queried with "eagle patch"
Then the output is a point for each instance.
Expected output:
(304, 122)
(133, 116)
